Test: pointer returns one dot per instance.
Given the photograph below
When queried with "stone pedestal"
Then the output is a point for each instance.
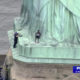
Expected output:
(31, 71)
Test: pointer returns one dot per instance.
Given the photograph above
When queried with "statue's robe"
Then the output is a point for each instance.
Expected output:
(56, 19)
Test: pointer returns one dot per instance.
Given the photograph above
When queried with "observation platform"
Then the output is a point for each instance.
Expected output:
(31, 52)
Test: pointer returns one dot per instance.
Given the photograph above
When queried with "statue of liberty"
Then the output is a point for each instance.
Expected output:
(58, 20)
(47, 33)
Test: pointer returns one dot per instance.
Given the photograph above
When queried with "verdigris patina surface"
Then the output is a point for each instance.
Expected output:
(59, 24)
(57, 19)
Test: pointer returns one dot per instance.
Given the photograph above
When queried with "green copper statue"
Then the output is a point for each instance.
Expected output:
(58, 20)
(49, 32)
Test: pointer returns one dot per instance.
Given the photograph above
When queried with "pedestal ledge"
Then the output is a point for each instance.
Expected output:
(31, 71)
(45, 54)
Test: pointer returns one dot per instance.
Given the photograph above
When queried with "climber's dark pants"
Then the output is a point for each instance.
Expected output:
(37, 38)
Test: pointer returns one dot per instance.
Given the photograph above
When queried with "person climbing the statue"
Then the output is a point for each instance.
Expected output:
(16, 35)
(37, 36)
